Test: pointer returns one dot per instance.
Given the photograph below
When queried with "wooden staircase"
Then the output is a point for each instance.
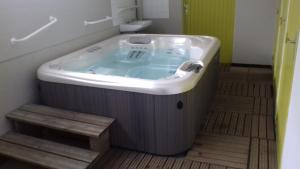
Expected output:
(50, 154)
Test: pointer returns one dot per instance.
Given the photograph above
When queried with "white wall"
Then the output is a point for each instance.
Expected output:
(254, 31)
(291, 148)
(125, 15)
(19, 63)
(172, 25)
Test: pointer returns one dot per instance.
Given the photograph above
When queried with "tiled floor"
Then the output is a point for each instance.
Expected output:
(238, 131)
(243, 109)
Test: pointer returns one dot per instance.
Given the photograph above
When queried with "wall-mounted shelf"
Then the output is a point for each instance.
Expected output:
(52, 20)
(107, 18)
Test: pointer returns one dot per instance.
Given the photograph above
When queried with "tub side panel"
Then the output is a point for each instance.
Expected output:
(171, 135)
(124, 131)
(149, 123)
(144, 108)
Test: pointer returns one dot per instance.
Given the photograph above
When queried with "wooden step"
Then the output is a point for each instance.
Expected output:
(92, 126)
(57, 123)
(45, 153)
(73, 122)
(69, 115)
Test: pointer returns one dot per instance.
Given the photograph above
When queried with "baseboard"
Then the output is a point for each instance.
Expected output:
(252, 65)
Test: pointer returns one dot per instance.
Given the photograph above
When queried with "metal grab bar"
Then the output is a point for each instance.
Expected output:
(107, 18)
(52, 21)
(128, 8)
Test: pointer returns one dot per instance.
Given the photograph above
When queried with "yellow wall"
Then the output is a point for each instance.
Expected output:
(214, 18)
(288, 27)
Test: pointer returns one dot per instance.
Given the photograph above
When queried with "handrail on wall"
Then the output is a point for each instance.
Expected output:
(127, 8)
(52, 21)
(107, 18)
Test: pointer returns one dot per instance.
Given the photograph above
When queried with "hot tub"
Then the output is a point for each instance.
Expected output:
(157, 87)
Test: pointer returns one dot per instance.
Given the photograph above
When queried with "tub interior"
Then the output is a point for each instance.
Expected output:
(157, 59)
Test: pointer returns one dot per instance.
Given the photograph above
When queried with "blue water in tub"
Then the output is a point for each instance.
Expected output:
(138, 63)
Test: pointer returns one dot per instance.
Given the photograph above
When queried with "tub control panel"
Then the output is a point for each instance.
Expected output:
(189, 67)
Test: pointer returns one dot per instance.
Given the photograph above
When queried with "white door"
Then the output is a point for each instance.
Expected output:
(255, 27)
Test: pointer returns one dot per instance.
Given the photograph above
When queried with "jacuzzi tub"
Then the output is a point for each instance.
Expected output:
(157, 87)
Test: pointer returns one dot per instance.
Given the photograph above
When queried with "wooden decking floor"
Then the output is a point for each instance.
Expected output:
(238, 132)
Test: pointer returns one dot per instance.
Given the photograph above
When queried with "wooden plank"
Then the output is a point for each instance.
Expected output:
(229, 90)
(134, 164)
(251, 89)
(240, 89)
(240, 125)
(270, 128)
(263, 154)
(256, 107)
(220, 86)
(70, 115)
(215, 138)
(233, 123)
(272, 155)
(178, 163)
(254, 154)
(226, 123)
(186, 164)
(114, 157)
(248, 123)
(222, 157)
(132, 155)
(100, 144)
(217, 167)
(211, 122)
(40, 158)
(233, 89)
(245, 88)
(255, 126)
(207, 121)
(119, 162)
(223, 148)
(270, 107)
(262, 127)
(106, 158)
(218, 124)
(217, 150)
(262, 91)
(233, 104)
(256, 90)
(269, 89)
(145, 161)
(169, 163)
(195, 165)
(204, 166)
(156, 162)
(224, 88)
(57, 123)
(263, 106)
(51, 147)
(219, 161)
